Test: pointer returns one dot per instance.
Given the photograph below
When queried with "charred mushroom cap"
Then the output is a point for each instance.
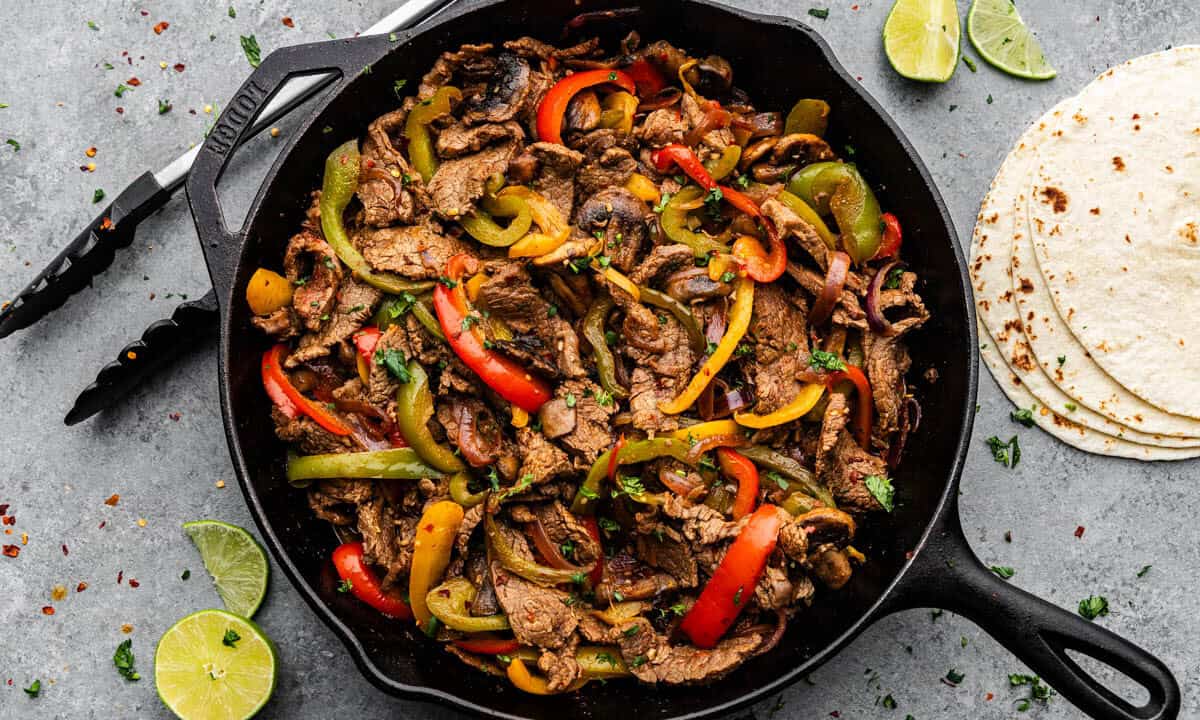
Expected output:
(619, 214)
(711, 76)
(827, 526)
(830, 566)
(757, 152)
(507, 89)
(801, 148)
(694, 284)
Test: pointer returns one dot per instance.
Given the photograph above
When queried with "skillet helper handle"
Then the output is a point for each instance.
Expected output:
(221, 245)
(947, 574)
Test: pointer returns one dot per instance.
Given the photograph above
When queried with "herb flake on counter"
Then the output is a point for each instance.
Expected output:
(1003, 571)
(251, 49)
(232, 12)
(970, 64)
(16, 146)
(989, 99)
(819, 13)
(164, 107)
(123, 660)
(1008, 453)
(3, 105)
(185, 575)
(1038, 691)
(1093, 606)
(92, 25)
(1145, 569)
(34, 688)
(882, 490)
(953, 677)
(97, 196)
(121, 90)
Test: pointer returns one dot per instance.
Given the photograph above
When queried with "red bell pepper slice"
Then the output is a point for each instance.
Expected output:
(613, 461)
(892, 237)
(760, 268)
(488, 645)
(648, 78)
(277, 385)
(731, 586)
(352, 568)
(685, 158)
(740, 468)
(365, 341)
(504, 375)
(554, 106)
(862, 420)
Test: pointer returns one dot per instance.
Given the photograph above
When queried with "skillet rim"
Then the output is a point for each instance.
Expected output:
(878, 608)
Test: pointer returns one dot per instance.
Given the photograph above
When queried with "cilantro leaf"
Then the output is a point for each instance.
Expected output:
(1093, 606)
(1023, 415)
(34, 688)
(1008, 453)
(252, 50)
(230, 639)
(1003, 571)
(826, 360)
(394, 361)
(882, 490)
(123, 660)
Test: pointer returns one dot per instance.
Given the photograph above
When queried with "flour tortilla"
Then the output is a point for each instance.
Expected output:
(1065, 430)
(1114, 211)
(1001, 222)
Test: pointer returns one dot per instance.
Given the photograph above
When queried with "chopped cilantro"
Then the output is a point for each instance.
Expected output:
(1071, 407)
(882, 490)
(186, 574)
(1008, 453)
(123, 660)
(662, 203)
(970, 64)
(728, 276)
(34, 688)
(989, 99)
(230, 639)
(232, 12)
(493, 478)
(737, 596)
(164, 106)
(395, 362)
(706, 463)
(1003, 571)
(778, 479)
(678, 609)
(15, 145)
(819, 13)
(552, 310)
(97, 196)
(345, 586)
(743, 349)
(251, 49)
(631, 630)
(92, 25)
(604, 398)
(826, 360)
(888, 702)
(893, 278)
(712, 202)
(610, 337)
(447, 282)
(954, 677)
(608, 525)
(1024, 415)
(638, 661)
(710, 348)
(121, 90)
(1145, 569)
(631, 485)
(1093, 606)
(743, 181)
(570, 400)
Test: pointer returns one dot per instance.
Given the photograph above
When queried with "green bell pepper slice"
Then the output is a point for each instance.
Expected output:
(675, 227)
(807, 116)
(593, 332)
(481, 225)
(461, 493)
(448, 602)
(421, 154)
(392, 308)
(392, 464)
(414, 407)
(840, 190)
(799, 475)
(631, 453)
(720, 167)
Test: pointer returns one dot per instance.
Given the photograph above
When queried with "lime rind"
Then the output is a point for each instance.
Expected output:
(236, 562)
(198, 677)
(1002, 38)
(922, 39)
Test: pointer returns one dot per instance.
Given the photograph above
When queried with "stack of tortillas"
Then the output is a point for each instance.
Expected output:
(1086, 264)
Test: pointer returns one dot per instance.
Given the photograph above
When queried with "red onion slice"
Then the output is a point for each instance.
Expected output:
(835, 280)
(875, 319)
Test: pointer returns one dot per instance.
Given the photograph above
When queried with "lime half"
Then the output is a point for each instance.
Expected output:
(235, 561)
(921, 39)
(998, 33)
(214, 665)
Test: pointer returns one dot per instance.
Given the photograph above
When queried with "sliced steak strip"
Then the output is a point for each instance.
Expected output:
(550, 169)
(416, 252)
(471, 61)
(356, 303)
(653, 660)
(791, 226)
(781, 347)
(389, 190)
(539, 616)
(459, 182)
(315, 273)
(845, 469)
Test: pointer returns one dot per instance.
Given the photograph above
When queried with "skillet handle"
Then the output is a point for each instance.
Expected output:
(342, 59)
(947, 574)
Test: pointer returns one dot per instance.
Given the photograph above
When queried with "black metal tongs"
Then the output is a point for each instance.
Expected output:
(93, 251)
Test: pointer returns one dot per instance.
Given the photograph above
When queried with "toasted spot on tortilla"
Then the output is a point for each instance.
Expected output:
(1118, 163)
(1137, 127)
(1169, 169)
(1026, 285)
(1189, 233)
(1136, 116)
(1095, 211)
(1057, 198)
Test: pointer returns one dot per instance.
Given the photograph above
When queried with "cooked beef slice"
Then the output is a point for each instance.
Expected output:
(356, 303)
(560, 667)
(311, 438)
(382, 544)
(780, 348)
(541, 337)
(539, 616)
(844, 472)
(563, 528)
(716, 139)
(469, 62)
(550, 169)
(663, 259)
(281, 324)
(700, 524)
(416, 252)
(793, 229)
(336, 500)
(413, 341)
(667, 551)
(540, 458)
(653, 660)
(459, 182)
(618, 217)
(388, 188)
(662, 360)
(837, 413)
(457, 140)
(661, 127)
(593, 433)
(886, 363)
(315, 273)
(513, 92)
(628, 578)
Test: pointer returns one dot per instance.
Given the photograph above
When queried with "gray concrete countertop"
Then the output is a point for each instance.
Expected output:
(163, 451)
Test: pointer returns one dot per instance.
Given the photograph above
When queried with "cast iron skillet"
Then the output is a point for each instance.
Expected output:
(919, 557)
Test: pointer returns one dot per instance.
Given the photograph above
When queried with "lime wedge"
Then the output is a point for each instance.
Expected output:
(998, 33)
(214, 665)
(235, 561)
(921, 39)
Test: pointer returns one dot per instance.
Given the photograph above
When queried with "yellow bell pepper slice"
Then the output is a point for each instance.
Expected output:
(808, 215)
(267, 291)
(420, 145)
(739, 322)
(619, 109)
(796, 409)
(721, 264)
(472, 286)
(615, 277)
(644, 188)
(545, 214)
(536, 244)
(706, 429)
(521, 679)
(520, 418)
(431, 554)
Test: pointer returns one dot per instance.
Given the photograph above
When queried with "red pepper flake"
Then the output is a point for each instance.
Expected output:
(47, 610)
(120, 111)
(81, 587)
(134, 583)
(1079, 531)
(12, 550)
(66, 552)
(134, 81)
(4, 509)
(113, 500)
(988, 697)
(175, 416)
(158, 29)
(120, 576)
(287, 22)
(179, 67)
(145, 13)
(102, 524)
(9, 520)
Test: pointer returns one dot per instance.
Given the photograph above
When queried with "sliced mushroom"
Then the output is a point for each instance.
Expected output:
(557, 418)
(769, 173)
(583, 112)
(827, 525)
(621, 217)
(507, 92)
(802, 148)
(757, 152)
(830, 566)
(711, 76)
(694, 284)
